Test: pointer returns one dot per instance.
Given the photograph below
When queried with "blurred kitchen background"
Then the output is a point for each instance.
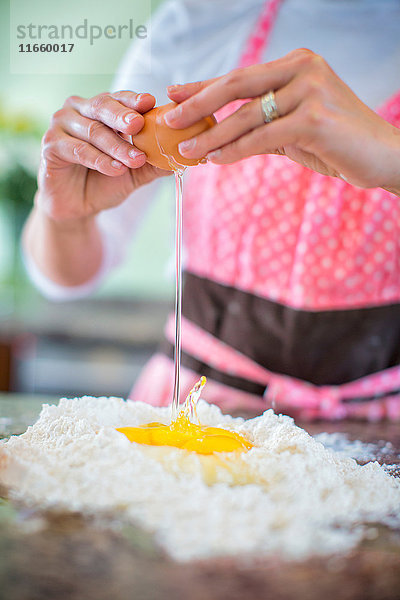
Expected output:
(95, 346)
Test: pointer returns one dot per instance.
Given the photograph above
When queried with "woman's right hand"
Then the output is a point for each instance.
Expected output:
(86, 166)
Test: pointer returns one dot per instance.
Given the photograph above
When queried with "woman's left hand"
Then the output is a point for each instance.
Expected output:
(322, 124)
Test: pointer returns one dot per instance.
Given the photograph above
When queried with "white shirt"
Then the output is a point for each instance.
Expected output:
(192, 40)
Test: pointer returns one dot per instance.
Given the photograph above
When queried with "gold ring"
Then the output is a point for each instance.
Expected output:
(268, 107)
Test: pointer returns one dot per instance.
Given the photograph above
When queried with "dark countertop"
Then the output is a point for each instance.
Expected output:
(64, 555)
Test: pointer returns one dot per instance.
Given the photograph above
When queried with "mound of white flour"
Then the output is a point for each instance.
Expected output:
(305, 499)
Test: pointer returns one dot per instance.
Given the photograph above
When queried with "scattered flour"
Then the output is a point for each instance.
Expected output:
(361, 451)
(297, 497)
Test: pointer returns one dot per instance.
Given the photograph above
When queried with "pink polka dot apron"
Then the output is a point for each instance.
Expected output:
(292, 287)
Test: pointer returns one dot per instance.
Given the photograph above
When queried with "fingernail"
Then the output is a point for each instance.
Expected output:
(135, 153)
(116, 164)
(187, 145)
(173, 115)
(213, 154)
(174, 88)
(130, 117)
(140, 97)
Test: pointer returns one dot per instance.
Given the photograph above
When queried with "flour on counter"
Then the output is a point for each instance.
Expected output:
(297, 497)
(361, 451)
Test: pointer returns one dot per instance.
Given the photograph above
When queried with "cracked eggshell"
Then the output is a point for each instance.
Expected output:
(156, 136)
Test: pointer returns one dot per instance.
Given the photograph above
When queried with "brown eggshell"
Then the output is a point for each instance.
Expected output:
(157, 139)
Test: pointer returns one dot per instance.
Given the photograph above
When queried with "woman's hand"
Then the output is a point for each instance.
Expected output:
(323, 125)
(86, 166)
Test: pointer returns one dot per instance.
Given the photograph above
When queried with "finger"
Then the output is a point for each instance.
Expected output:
(68, 149)
(109, 111)
(266, 139)
(244, 119)
(180, 92)
(240, 83)
(141, 102)
(102, 137)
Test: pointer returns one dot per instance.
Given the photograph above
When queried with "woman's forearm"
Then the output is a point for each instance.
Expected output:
(68, 253)
(393, 190)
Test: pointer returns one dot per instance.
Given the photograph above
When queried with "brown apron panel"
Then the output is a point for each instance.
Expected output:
(324, 348)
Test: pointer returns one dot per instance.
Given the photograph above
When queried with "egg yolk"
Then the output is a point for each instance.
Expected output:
(182, 433)
(189, 436)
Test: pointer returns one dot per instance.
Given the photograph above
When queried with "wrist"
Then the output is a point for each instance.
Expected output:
(61, 219)
(69, 252)
(393, 185)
